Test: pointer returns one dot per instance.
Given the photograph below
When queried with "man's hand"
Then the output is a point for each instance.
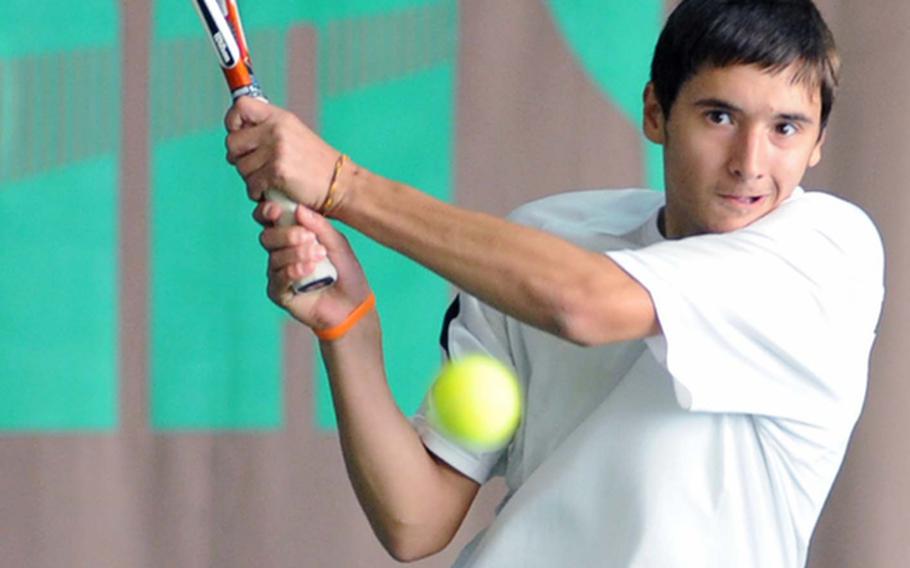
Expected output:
(272, 149)
(294, 252)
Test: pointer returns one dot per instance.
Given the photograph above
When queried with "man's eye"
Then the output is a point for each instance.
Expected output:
(787, 129)
(719, 117)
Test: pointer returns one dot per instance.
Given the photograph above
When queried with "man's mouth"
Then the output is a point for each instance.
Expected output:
(744, 200)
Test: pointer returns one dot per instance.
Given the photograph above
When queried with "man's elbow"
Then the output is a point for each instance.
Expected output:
(589, 318)
(406, 554)
(577, 331)
(410, 544)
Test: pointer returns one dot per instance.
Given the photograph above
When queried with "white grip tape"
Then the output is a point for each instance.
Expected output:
(324, 274)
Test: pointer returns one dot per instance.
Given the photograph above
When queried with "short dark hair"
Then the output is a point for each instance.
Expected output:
(772, 34)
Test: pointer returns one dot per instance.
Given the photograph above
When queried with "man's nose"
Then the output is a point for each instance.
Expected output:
(748, 157)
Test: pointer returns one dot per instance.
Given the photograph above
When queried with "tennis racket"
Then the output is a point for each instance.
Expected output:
(222, 22)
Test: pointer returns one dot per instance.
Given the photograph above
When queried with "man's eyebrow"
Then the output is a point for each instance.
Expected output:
(717, 104)
(720, 104)
(795, 117)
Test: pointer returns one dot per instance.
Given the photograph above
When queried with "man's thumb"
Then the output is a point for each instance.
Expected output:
(246, 111)
(320, 226)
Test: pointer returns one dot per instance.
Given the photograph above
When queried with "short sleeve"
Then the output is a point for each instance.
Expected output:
(775, 319)
(470, 327)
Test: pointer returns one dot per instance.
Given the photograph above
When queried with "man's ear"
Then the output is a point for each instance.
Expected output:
(816, 155)
(654, 120)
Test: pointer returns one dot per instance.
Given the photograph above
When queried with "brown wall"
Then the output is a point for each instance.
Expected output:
(282, 500)
(866, 521)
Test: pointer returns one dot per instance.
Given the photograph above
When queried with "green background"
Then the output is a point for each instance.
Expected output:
(215, 356)
(58, 238)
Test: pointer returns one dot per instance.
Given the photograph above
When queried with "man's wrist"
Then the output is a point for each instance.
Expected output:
(332, 193)
(342, 328)
(353, 182)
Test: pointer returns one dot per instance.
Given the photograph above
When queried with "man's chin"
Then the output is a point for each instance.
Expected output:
(729, 225)
(722, 221)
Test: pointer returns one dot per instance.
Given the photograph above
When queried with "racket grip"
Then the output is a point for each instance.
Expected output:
(324, 274)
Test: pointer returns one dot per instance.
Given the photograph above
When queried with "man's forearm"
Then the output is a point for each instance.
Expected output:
(540, 279)
(414, 503)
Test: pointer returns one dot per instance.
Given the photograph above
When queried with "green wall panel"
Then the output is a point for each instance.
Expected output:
(47, 26)
(399, 122)
(59, 174)
(386, 95)
(614, 41)
(216, 340)
(216, 345)
(417, 113)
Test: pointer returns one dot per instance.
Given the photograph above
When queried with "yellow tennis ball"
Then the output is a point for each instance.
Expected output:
(476, 400)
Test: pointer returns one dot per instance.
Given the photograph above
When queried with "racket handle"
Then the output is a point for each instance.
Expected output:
(324, 274)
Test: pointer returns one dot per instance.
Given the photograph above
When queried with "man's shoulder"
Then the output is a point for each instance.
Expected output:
(825, 202)
(815, 228)
(615, 211)
(838, 219)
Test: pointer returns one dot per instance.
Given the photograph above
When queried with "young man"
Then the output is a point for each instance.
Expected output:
(693, 364)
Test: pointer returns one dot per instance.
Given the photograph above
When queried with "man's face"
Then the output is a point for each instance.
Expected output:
(737, 143)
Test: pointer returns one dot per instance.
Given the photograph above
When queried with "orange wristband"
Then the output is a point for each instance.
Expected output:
(339, 330)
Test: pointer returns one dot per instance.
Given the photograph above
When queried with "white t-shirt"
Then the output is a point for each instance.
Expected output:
(713, 444)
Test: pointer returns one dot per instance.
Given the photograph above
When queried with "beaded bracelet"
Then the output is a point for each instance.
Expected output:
(335, 332)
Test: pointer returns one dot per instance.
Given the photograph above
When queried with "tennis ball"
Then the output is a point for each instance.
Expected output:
(476, 401)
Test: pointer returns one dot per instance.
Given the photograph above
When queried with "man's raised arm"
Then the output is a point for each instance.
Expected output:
(535, 277)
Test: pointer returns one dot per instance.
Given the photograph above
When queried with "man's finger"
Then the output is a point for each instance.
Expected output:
(258, 182)
(322, 228)
(282, 258)
(279, 286)
(274, 238)
(247, 111)
(266, 213)
(310, 253)
(241, 142)
(249, 163)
